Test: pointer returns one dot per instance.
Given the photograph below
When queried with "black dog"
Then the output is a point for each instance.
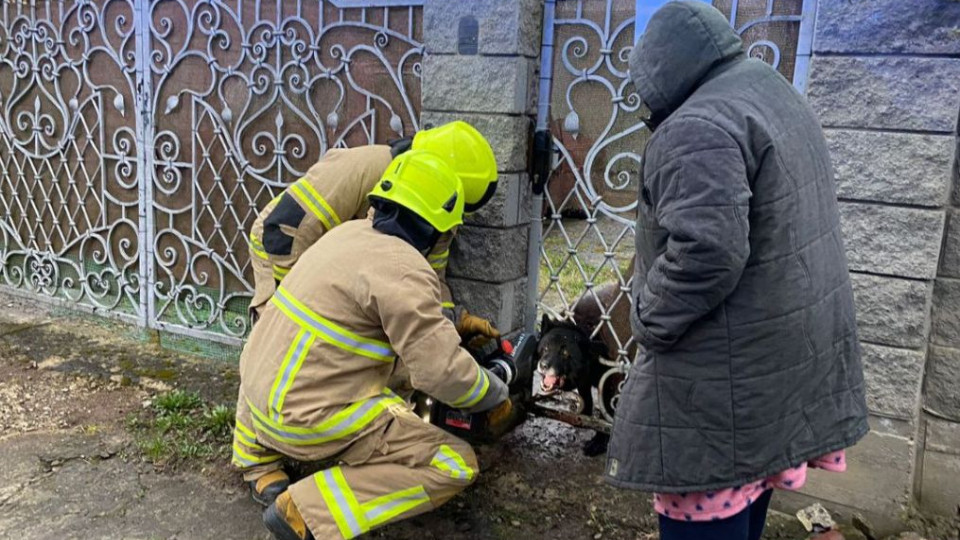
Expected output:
(569, 360)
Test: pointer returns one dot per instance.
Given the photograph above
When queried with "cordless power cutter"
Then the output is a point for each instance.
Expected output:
(512, 362)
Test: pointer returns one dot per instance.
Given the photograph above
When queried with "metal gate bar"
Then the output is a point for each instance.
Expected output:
(144, 89)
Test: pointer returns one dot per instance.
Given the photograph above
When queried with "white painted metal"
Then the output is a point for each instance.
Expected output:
(138, 139)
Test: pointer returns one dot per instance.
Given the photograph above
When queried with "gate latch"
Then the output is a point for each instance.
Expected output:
(541, 162)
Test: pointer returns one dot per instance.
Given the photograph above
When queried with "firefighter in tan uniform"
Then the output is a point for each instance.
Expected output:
(335, 190)
(313, 376)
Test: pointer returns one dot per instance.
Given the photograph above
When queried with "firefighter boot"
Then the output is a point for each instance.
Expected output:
(284, 521)
(265, 489)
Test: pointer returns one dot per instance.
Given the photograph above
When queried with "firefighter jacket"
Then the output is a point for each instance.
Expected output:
(334, 190)
(317, 363)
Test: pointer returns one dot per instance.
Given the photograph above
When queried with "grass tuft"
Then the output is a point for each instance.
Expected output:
(177, 401)
(180, 428)
(219, 420)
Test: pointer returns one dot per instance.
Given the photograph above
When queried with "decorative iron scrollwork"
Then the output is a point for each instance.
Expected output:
(68, 157)
(133, 163)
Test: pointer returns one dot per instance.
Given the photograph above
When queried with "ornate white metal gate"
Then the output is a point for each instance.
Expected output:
(585, 240)
(138, 139)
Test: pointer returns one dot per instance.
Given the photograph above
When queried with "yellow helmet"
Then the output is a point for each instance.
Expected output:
(470, 156)
(423, 183)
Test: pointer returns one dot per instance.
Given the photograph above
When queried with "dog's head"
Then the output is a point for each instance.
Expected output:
(565, 354)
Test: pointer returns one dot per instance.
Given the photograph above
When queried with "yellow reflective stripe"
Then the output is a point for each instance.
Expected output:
(288, 370)
(245, 430)
(256, 246)
(296, 369)
(354, 519)
(439, 261)
(383, 509)
(242, 463)
(348, 529)
(343, 423)
(476, 392)
(315, 202)
(296, 191)
(252, 446)
(437, 256)
(447, 459)
(331, 332)
(351, 501)
(280, 272)
(323, 202)
(244, 458)
(341, 502)
(247, 441)
(448, 305)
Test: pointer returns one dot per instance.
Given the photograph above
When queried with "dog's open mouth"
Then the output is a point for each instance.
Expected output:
(551, 383)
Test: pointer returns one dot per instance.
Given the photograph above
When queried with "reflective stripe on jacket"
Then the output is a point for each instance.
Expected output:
(438, 258)
(334, 190)
(325, 346)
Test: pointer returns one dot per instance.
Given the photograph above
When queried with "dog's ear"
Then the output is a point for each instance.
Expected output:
(598, 348)
(545, 324)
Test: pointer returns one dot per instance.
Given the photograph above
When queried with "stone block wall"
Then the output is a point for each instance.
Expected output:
(939, 464)
(885, 80)
(490, 83)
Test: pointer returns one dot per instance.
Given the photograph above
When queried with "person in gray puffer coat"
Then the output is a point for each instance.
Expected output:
(742, 298)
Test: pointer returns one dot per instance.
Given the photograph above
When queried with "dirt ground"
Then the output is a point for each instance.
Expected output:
(72, 467)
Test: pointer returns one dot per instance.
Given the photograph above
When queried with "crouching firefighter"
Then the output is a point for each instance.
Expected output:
(313, 376)
(335, 190)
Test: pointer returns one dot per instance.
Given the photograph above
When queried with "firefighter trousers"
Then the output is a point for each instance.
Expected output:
(397, 467)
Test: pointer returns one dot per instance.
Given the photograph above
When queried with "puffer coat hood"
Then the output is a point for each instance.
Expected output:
(666, 67)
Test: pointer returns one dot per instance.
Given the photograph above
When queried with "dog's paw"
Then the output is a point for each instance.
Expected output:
(597, 445)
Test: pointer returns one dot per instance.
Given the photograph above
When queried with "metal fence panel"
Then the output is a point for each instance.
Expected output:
(139, 139)
(245, 97)
(69, 200)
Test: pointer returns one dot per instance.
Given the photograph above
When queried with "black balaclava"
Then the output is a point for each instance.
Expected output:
(399, 146)
(395, 220)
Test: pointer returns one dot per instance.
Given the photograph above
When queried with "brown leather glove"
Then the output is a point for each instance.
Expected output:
(503, 418)
(468, 324)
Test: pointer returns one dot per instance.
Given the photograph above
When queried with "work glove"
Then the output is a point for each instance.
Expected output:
(500, 413)
(470, 325)
(503, 418)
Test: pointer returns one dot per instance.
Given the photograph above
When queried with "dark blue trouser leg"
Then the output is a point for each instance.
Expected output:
(747, 525)
(758, 514)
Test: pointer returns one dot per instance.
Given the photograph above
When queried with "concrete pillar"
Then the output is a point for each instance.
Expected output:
(480, 66)
(885, 80)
